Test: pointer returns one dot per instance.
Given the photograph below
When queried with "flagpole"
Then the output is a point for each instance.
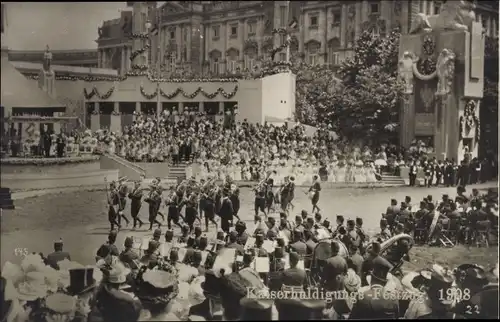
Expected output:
(288, 32)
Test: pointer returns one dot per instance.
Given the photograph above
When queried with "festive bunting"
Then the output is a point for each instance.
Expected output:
(179, 90)
(95, 92)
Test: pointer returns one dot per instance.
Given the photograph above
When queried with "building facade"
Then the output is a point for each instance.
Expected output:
(76, 58)
(217, 37)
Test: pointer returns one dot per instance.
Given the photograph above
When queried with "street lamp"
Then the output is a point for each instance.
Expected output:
(148, 25)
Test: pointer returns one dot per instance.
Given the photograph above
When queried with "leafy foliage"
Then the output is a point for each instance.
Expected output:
(489, 106)
(366, 104)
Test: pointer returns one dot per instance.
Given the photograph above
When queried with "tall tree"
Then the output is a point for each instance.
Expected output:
(366, 104)
(489, 105)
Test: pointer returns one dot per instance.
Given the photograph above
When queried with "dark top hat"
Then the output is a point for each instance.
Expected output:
(271, 220)
(174, 255)
(81, 280)
(350, 222)
(157, 233)
(197, 257)
(259, 237)
(256, 309)
(282, 215)
(271, 234)
(376, 247)
(203, 243)
(190, 241)
(294, 257)
(211, 285)
(279, 253)
(381, 267)
(240, 225)
(169, 235)
(340, 218)
(359, 221)
(129, 242)
(298, 218)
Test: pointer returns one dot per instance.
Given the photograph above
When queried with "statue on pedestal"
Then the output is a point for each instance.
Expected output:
(445, 69)
(405, 70)
(47, 60)
(454, 15)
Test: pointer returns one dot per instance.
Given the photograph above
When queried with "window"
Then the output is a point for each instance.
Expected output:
(333, 58)
(283, 16)
(374, 7)
(215, 66)
(216, 31)
(185, 37)
(234, 31)
(312, 56)
(282, 39)
(233, 65)
(252, 28)
(336, 17)
(282, 56)
(172, 34)
(249, 63)
(171, 62)
(313, 21)
(437, 8)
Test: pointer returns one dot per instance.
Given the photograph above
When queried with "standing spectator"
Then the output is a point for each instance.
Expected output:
(413, 173)
(61, 145)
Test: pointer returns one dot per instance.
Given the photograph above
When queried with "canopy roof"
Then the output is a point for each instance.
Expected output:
(18, 91)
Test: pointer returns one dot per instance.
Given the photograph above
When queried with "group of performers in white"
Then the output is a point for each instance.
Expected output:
(200, 199)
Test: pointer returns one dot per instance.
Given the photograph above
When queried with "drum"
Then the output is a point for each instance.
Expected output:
(310, 195)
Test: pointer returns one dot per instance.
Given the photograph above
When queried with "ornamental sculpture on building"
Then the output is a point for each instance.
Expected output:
(405, 70)
(445, 69)
(454, 15)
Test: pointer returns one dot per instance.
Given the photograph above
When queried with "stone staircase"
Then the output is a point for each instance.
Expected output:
(177, 172)
(392, 180)
(6, 201)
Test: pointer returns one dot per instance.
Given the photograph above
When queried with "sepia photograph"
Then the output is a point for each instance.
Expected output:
(249, 160)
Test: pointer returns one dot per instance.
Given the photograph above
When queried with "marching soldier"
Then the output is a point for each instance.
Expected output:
(291, 191)
(260, 199)
(233, 243)
(122, 199)
(210, 201)
(361, 233)
(191, 213)
(136, 202)
(385, 233)
(235, 199)
(226, 212)
(113, 203)
(352, 235)
(284, 195)
(172, 204)
(315, 190)
(294, 276)
(154, 199)
(340, 224)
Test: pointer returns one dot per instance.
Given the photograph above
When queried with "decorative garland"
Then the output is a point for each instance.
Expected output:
(469, 119)
(179, 90)
(426, 67)
(139, 36)
(31, 129)
(140, 67)
(95, 92)
(82, 78)
(50, 161)
(280, 31)
(136, 53)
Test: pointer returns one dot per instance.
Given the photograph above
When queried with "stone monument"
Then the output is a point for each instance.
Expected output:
(441, 63)
(46, 77)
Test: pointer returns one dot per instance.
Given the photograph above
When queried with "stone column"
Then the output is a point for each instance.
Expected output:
(57, 125)
(137, 108)
(99, 58)
(259, 36)
(206, 40)
(116, 119)
(122, 69)
(181, 108)
(219, 117)
(95, 119)
(242, 37)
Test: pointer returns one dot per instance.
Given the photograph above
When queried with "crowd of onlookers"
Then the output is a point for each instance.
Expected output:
(211, 147)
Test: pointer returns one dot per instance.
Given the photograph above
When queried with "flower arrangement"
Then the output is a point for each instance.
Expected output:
(95, 92)
(139, 36)
(82, 78)
(136, 53)
(469, 120)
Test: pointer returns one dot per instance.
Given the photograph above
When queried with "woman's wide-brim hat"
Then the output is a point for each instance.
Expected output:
(118, 273)
(33, 287)
(60, 303)
(158, 287)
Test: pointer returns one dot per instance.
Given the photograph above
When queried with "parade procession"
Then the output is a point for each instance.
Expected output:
(249, 161)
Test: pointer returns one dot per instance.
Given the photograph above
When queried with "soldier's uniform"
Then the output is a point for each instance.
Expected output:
(135, 197)
(122, 200)
(256, 309)
(241, 227)
(299, 246)
(58, 255)
(113, 206)
(294, 276)
(154, 199)
(172, 204)
(335, 269)
(108, 248)
(373, 304)
(129, 256)
(226, 212)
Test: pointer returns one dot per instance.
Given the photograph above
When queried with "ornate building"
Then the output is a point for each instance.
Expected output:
(223, 36)
(76, 58)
